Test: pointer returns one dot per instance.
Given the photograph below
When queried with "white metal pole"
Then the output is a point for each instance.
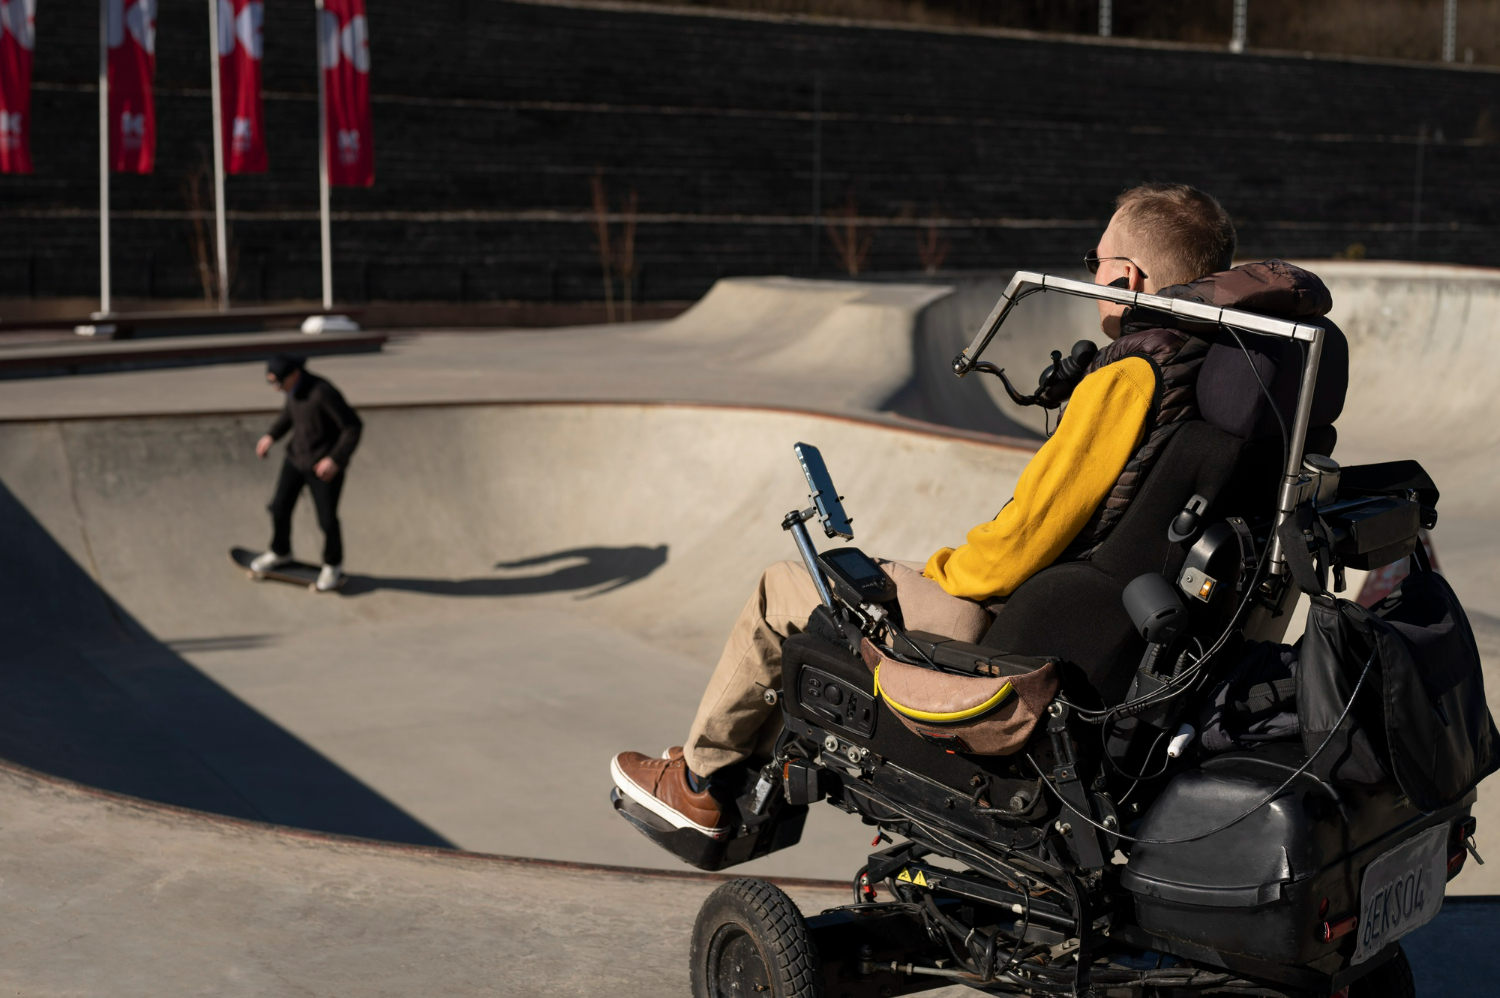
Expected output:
(1240, 27)
(1106, 18)
(104, 302)
(1450, 30)
(221, 243)
(327, 232)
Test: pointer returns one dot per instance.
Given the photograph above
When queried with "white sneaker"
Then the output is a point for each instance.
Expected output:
(269, 560)
(330, 577)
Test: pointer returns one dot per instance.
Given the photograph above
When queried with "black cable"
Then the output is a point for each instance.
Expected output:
(900, 632)
(1286, 438)
(1239, 818)
(953, 930)
(1132, 776)
(1015, 951)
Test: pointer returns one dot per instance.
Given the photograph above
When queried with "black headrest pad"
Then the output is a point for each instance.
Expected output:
(1230, 398)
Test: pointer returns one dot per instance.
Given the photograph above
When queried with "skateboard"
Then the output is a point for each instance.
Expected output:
(296, 572)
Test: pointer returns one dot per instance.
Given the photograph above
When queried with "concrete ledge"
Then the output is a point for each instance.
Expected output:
(97, 356)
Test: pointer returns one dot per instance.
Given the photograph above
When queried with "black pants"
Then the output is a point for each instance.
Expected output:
(325, 496)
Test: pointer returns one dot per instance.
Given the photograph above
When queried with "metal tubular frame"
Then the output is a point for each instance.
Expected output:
(796, 523)
(105, 302)
(221, 239)
(1027, 282)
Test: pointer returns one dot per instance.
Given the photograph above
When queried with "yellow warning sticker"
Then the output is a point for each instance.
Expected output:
(905, 876)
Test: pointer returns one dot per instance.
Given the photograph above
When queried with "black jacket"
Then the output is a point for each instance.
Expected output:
(322, 424)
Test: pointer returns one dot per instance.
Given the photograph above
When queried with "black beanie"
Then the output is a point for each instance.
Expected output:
(282, 365)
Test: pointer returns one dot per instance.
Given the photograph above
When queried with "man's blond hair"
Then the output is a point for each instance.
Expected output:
(1176, 233)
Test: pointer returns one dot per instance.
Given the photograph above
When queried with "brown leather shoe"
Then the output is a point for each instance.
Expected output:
(675, 752)
(661, 787)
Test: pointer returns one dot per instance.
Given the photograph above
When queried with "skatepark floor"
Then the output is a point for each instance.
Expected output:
(545, 558)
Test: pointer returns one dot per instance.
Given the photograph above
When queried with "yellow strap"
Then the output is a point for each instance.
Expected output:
(935, 717)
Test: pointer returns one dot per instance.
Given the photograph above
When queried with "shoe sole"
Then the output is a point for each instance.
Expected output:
(649, 801)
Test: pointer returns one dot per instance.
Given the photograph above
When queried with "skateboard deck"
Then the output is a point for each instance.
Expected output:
(296, 572)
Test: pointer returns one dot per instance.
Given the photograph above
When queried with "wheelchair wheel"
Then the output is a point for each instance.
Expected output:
(751, 940)
(1392, 980)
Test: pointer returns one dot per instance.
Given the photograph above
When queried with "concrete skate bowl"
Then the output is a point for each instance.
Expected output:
(534, 587)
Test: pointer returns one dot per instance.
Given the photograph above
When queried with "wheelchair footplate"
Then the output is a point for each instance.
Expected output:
(753, 836)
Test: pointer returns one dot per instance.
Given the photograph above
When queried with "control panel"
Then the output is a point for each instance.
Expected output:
(836, 702)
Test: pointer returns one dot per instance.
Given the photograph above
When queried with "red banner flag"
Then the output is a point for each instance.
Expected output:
(239, 85)
(17, 38)
(132, 65)
(344, 55)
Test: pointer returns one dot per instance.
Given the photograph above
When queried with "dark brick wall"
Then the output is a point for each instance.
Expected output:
(492, 116)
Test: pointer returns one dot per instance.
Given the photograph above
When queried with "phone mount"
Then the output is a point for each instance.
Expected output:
(827, 506)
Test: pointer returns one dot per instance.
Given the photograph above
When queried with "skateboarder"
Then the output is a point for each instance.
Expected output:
(325, 431)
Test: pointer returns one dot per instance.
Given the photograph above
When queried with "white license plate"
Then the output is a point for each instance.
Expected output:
(1401, 891)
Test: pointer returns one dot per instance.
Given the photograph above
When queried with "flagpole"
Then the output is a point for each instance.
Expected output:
(326, 231)
(222, 237)
(104, 296)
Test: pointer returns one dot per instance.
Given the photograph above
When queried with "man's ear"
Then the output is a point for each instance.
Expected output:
(1136, 278)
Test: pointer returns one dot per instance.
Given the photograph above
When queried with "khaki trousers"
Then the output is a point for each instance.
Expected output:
(734, 721)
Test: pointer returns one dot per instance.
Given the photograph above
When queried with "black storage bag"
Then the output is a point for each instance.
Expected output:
(1421, 715)
(1256, 703)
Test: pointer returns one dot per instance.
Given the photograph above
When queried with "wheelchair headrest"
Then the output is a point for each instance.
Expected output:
(1230, 397)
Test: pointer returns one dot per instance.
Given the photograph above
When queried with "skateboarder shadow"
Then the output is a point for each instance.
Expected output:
(592, 570)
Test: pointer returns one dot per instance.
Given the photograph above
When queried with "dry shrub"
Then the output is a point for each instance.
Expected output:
(851, 240)
(932, 249)
(615, 259)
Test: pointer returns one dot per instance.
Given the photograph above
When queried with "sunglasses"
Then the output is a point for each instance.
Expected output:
(1092, 259)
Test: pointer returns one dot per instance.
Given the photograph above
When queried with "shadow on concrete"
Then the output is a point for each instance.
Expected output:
(87, 693)
(1455, 953)
(598, 569)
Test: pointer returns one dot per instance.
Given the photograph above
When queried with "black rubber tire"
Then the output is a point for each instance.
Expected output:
(750, 941)
(1391, 979)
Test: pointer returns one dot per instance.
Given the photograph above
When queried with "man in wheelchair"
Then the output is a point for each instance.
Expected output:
(1137, 391)
(1087, 706)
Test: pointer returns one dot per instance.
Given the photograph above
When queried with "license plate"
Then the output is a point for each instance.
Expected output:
(1401, 891)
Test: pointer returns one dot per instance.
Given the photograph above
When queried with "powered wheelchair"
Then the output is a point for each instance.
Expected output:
(1101, 849)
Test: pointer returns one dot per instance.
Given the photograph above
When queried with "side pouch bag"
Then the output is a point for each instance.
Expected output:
(1336, 649)
(980, 714)
(1439, 733)
(1421, 716)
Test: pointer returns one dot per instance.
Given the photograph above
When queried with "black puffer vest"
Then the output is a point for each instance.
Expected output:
(1177, 356)
(1272, 287)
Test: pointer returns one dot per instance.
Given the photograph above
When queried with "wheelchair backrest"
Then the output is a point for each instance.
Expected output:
(1073, 609)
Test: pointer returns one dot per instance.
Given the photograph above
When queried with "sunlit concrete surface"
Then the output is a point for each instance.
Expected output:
(107, 896)
(545, 557)
(128, 900)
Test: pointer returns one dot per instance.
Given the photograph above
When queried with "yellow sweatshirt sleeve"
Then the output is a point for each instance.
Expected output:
(1071, 474)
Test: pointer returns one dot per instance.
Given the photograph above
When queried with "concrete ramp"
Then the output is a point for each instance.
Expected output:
(535, 587)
